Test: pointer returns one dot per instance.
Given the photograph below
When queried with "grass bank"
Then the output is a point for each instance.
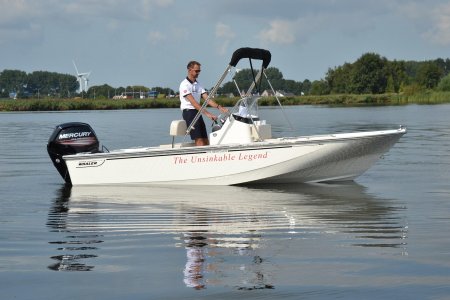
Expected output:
(369, 99)
(428, 97)
(83, 104)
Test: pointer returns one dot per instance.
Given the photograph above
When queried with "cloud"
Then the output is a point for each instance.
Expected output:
(439, 33)
(22, 19)
(431, 20)
(29, 33)
(225, 35)
(155, 37)
(148, 8)
(287, 32)
(11, 10)
(279, 32)
(114, 9)
(18, 22)
(159, 3)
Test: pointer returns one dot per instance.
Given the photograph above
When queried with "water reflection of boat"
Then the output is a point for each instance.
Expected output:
(212, 223)
(75, 246)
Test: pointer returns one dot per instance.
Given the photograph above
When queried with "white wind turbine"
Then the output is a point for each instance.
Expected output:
(83, 79)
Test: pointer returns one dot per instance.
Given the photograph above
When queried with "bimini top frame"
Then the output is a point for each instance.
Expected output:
(250, 53)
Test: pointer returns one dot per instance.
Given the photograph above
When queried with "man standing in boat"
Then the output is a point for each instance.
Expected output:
(191, 93)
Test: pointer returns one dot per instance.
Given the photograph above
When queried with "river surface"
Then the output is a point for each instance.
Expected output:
(384, 236)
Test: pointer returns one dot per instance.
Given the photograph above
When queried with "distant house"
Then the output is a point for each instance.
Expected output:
(280, 93)
(284, 94)
(267, 93)
(152, 94)
(121, 96)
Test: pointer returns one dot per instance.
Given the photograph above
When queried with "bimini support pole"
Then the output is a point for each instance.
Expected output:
(279, 102)
(210, 95)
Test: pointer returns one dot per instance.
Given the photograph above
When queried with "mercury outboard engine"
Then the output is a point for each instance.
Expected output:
(71, 138)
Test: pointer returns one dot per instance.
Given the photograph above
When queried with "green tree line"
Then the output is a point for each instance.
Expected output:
(374, 74)
(43, 84)
(369, 74)
(36, 84)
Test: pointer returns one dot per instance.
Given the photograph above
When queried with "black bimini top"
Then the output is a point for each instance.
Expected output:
(252, 53)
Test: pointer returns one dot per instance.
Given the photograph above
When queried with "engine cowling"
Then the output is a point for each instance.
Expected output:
(71, 138)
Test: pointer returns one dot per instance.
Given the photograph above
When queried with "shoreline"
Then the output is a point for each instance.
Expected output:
(428, 97)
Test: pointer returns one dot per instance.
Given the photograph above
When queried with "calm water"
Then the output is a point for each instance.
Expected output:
(385, 236)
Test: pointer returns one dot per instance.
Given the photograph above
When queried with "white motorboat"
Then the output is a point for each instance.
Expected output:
(242, 150)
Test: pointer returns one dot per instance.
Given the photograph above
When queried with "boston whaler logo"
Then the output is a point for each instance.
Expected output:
(90, 163)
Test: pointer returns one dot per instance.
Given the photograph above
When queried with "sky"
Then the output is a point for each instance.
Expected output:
(149, 42)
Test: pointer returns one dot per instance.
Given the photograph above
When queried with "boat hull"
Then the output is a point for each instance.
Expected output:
(336, 157)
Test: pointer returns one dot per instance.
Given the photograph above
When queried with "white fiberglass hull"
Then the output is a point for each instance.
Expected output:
(334, 157)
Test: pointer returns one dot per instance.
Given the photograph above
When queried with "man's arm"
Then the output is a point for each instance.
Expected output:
(214, 104)
(197, 106)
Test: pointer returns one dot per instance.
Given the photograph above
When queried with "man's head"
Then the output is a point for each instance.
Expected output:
(193, 69)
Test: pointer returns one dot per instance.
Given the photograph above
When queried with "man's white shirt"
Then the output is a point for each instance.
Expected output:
(194, 88)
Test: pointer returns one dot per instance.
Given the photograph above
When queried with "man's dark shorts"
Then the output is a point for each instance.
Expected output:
(199, 130)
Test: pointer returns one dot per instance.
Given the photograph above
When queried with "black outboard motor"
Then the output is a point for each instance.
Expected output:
(71, 138)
